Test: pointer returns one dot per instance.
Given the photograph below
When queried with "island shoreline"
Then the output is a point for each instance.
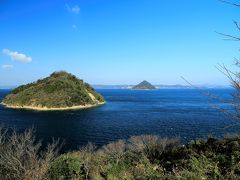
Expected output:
(53, 109)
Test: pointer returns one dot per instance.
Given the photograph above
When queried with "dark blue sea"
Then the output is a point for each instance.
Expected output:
(182, 113)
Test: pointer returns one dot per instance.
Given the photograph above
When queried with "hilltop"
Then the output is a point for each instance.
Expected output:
(144, 86)
(59, 91)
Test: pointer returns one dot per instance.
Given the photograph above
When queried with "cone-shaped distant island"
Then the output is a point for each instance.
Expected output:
(144, 86)
(59, 91)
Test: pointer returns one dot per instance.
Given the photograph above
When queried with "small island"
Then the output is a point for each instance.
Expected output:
(145, 85)
(59, 91)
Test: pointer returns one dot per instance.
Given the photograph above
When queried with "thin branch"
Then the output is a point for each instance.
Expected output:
(229, 74)
(230, 37)
(207, 94)
(237, 25)
(231, 3)
(225, 111)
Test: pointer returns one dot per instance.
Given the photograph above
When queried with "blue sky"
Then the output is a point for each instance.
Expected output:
(116, 41)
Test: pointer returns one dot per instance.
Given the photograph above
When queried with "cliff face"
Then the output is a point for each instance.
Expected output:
(59, 90)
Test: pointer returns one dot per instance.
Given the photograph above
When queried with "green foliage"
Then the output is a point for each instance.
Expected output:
(61, 89)
(151, 157)
(67, 167)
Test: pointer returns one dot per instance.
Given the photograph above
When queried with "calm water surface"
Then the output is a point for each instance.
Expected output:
(183, 113)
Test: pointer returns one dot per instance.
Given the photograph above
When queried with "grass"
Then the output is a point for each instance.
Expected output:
(139, 157)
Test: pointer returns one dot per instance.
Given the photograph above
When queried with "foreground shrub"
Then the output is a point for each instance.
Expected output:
(135, 158)
(21, 157)
(67, 166)
(152, 146)
(140, 157)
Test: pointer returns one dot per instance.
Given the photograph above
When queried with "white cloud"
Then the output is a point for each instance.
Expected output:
(74, 26)
(75, 9)
(17, 56)
(7, 66)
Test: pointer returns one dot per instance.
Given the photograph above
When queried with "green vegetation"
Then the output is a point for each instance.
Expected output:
(140, 157)
(60, 89)
(144, 86)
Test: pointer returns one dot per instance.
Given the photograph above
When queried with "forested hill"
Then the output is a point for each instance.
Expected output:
(59, 90)
(145, 85)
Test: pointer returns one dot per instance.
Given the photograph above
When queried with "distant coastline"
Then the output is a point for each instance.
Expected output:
(53, 109)
(143, 89)
(101, 86)
(162, 87)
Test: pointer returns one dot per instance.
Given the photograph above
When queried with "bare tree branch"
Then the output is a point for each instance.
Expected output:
(230, 37)
(208, 94)
(231, 3)
(237, 25)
